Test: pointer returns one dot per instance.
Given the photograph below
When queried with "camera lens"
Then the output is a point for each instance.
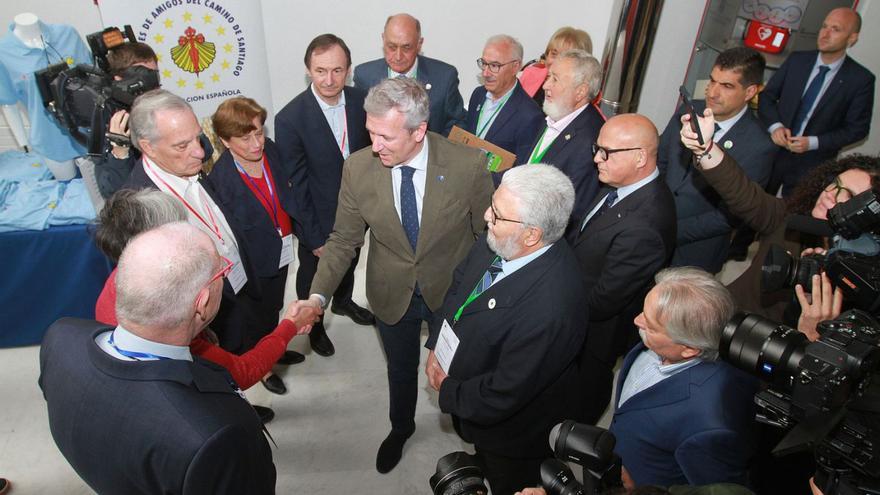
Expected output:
(557, 479)
(781, 269)
(758, 345)
(458, 474)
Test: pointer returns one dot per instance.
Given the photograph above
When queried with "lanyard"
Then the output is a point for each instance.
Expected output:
(344, 132)
(473, 295)
(213, 225)
(271, 199)
(537, 157)
(137, 356)
(482, 131)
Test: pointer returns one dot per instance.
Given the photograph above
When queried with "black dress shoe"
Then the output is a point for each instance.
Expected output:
(274, 384)
(291, 357)
(321, 343)
(357, 314)
(266, 414)
(391, 450)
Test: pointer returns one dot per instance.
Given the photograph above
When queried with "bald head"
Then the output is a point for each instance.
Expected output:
(401, 42)
(159, 276)
(635, 130)
(840, 30)
(635, 136)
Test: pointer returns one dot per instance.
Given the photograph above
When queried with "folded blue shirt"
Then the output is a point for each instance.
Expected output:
(23, 167)
(27, 205)
(75, 207)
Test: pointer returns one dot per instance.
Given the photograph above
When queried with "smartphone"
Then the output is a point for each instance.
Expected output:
(689, 108)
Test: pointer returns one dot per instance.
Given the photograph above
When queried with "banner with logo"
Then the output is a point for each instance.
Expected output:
(208, 50)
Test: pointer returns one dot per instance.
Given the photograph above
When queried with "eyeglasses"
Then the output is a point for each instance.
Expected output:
(223, 271)
(603, 152)
(841, 193)
(494, 67)
(496, 217)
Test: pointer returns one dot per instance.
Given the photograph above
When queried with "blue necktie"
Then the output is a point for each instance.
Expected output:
(808, 100)
(489, 277)
(609, 202)
(409, 213)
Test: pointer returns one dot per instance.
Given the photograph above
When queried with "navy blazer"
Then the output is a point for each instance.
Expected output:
(571, 152)
(258, 228)
(441, 81)
(163, 426)
(704, 224)
(312, 160)
(693, 428)
(619, 253)
(514, 374)
(842, 116)
(516, 126)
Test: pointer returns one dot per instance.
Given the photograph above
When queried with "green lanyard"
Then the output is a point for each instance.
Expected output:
(482, 132)
(537, 157)
(473, 295)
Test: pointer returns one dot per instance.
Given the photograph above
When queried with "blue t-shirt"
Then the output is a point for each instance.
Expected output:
(18, 62)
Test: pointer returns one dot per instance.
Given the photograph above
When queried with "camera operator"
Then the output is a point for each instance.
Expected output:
(820, 190)
(112, 171)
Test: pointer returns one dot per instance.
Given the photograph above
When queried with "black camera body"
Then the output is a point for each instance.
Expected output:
(83, 98)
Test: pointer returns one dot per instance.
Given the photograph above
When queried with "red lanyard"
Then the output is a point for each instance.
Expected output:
(212, 226)
(271, 199)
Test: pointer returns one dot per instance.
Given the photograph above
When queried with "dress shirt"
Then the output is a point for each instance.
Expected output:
(510, 266)
(724, 126)
(420, 163)
(555, 128)
(190, 189)
(489, 110)
(833, 69)
(647, 370)
(335, 115)
(412, 73)
(128, 341)
(622, 192)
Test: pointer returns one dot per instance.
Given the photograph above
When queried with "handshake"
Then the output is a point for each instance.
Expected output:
(304, 314)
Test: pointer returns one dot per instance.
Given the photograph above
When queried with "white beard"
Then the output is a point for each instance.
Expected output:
(506, 249)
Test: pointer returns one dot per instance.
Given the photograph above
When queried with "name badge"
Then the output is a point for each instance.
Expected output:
(446, 346)
(286, 251)
(237, 277)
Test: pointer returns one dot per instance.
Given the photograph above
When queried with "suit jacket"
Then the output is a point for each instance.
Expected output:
(571, 152)
(842, 116)
(312, 160)
(516, 125)
(151, 426)
(458, 191)
(514, 375)
(695, 427)
(704, 222)
(257, 228)
(441, 81)
(619, 253)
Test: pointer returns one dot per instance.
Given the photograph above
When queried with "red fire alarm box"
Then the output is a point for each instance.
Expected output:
(765, 37)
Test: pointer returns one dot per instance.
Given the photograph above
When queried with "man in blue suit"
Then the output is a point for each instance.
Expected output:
(704, 224)
(316, 132)
(402, 42)
(500, 111)
(681, 416)
(818, 101)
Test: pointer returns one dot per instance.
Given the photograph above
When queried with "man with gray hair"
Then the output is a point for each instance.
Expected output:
(516, 310)
(145, 415)
(500, 111)
(573, 124)
(421, 196)
(682, 417)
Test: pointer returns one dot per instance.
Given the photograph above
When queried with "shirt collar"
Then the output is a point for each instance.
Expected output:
(625, 191)
(178, 183)
(420, 161)
(671, 369)
(832, 67)
(411, 73)
(725, 125)
(562, 123)
(505, 95)
(128, 341)
(323, 104)
(508, 267)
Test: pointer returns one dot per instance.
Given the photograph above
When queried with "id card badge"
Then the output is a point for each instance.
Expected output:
(447, 344)
(286, 251)
(237, 277)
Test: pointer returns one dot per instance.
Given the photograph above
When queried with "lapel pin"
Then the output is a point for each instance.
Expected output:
(728, 144)
(479, 107)
(441, 178)
(567, 137)
(492, 303)
(428, 87)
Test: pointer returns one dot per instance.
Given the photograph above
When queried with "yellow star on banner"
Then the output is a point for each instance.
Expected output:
(227, 48)
(158, 39)
(187, 17)
(181, 83)
(215, 77)
(200, 85)
(225, 64)
(169, 23)
(221, 31)
(166, 74)
(207, 18)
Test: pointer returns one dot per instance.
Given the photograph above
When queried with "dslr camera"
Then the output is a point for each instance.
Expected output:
(83, 98)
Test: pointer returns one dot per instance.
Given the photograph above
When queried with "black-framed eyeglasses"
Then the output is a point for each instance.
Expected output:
(841, 192)
(494, 67)
(603, 152)
(496, 217)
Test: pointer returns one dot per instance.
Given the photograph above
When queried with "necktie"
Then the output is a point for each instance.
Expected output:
(808, 100)
(609, 202)
(409, 213)
(489, 277)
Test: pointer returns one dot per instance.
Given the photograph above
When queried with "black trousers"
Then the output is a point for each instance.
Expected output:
(308, 266)
(507, 475)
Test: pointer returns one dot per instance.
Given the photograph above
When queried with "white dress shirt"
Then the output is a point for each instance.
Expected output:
(336, 119)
